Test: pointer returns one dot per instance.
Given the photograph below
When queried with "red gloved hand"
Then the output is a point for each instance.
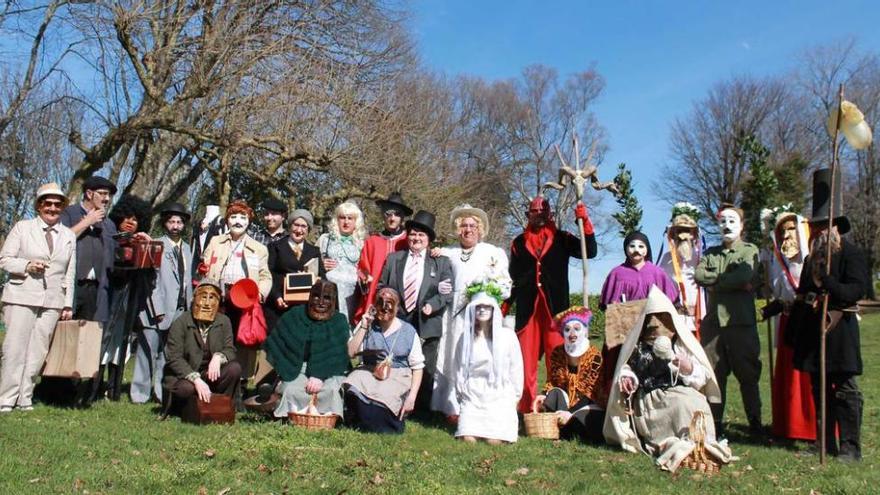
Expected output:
(580, 213)
(505, 308)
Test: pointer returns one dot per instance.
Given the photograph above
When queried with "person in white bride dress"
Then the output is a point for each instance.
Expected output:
(473, 262)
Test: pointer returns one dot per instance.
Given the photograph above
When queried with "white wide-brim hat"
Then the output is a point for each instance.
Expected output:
(467, 210)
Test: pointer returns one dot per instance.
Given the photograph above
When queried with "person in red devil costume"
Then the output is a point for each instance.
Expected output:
(539, 269)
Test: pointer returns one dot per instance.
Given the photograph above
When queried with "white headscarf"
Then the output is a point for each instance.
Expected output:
(617, 429)
(499, 357)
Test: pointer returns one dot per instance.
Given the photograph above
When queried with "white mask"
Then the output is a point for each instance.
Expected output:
(638, 248)
(237, 223)
(577, 338)
(730, 225)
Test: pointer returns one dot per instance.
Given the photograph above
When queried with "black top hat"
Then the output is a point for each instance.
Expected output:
(176, 209)
(97, 182)
(394, 202)
(274, 204)
(424, 221)
(822, 200)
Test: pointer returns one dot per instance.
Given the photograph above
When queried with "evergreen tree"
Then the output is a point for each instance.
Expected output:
(630, 215)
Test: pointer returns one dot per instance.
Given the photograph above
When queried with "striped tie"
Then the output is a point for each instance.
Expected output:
(409, 283)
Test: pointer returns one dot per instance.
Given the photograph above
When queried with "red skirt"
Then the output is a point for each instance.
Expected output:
(794, 413)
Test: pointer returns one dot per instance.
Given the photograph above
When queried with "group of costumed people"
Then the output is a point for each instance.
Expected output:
(390, 325)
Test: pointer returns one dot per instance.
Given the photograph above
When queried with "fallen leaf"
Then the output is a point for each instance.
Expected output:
(224, 491)
(34, 480)
(135, 452)
(210, 453)
(377, 479)
(522, 471)
(203, 490)
(815, 492)
(263, 468)
(749, 468)
(509, 482)
(425, 453)
(360, 463)
(78, 484)
(115, 461)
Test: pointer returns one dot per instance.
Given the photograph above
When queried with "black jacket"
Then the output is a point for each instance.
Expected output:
(549, 274)
(281, 262)
(849, 278)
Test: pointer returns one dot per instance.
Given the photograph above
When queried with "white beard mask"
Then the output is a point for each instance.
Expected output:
(730, 225)
(576, 337)
(237, 223)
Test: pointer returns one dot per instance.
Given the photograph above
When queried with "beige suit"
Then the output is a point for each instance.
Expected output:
(32, 303)
(256, 257)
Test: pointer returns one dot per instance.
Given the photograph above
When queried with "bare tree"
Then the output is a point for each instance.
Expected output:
(708, 165)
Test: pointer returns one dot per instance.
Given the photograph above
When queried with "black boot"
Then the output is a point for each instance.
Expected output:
(848, 410)
(97, 387)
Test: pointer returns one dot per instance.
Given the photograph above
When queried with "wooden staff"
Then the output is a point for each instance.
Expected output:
(823, 328)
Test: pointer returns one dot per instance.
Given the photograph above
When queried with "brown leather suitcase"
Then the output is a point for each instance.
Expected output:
(219, 411)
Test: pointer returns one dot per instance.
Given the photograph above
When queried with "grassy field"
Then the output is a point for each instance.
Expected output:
(123, 448)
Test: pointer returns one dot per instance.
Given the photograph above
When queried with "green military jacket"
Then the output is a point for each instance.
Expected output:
(731, 277)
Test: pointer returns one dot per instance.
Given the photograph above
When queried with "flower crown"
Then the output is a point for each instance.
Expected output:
(769, 216)
(579, 313)
(685, 208)
(490, 287)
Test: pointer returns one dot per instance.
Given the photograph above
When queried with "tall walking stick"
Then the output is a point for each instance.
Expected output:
(579, 176)
(823, 328)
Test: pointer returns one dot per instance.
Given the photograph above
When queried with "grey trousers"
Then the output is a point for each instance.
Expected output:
(737, 349)
(148, 364)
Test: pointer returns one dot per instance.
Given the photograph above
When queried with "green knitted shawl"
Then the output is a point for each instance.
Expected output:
(297, 339)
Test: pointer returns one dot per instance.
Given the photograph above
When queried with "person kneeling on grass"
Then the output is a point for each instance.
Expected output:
(308, 350)
(199, 354)
(382, 391)
(489, 380)
(663, 380)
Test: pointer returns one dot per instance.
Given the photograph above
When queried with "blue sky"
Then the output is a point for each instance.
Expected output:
(657, 58)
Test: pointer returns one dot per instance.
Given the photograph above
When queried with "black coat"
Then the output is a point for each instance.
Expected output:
(549, 274)
(436, 270)
(849, 275)
(281, 262)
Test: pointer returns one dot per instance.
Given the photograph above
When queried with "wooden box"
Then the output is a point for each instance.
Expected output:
(297, 287)
(219, 411)
(75, 351)
(619, 320)
(135, 254)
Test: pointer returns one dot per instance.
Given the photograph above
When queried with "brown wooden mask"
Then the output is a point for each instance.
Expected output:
(322, 301)
(206, 302)
(386, 304)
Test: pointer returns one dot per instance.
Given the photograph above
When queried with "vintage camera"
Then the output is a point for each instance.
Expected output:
(135, 254)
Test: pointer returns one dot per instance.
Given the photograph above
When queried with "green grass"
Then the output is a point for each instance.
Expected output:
(123, 448)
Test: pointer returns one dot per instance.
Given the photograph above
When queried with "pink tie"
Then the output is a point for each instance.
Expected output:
(409, 284)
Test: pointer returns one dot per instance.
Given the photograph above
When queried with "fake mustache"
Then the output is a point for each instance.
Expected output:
(726, 230)
(237, 226)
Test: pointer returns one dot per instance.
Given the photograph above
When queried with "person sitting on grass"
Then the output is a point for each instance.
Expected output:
(663, 379)
(199, 354)
(309, 351)
(574, 388)
(489, 380)
(382, 391)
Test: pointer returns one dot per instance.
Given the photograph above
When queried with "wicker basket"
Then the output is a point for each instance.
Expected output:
(699, 459)
(541, 425)
(313, 421)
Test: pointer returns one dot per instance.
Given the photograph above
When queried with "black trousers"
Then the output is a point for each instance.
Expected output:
(843, 409)
(85, 303)
(585, 424)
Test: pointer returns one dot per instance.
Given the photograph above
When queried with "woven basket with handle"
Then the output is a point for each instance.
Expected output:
(541, 425)
(313, 421)
(699, 459)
